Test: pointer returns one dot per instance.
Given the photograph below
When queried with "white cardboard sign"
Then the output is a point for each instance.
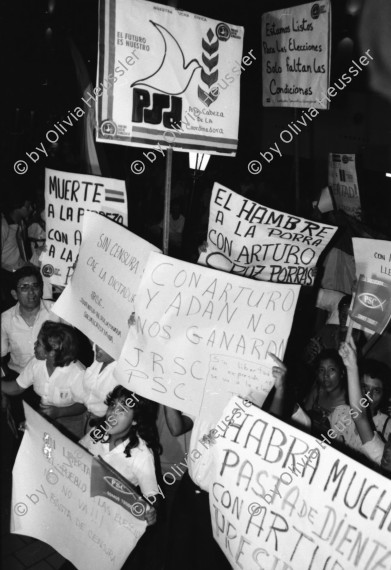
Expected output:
(67, 197)
(99, 300)
(201, 335)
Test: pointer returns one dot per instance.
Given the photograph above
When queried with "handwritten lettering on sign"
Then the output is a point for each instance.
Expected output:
(55, 504)
(254, 241)
(372, 258)
(296, 55)
(280, 502)
(68, 197)
(100, 298)
(189, 316)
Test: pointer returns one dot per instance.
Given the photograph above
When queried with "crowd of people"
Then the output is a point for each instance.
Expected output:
(343, 399)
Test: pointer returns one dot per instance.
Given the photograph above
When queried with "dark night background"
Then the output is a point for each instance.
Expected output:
(40, 84)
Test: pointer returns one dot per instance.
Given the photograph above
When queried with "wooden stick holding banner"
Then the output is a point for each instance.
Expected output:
(350, 327)
(167, 201)
(349, 332)
(297, 167)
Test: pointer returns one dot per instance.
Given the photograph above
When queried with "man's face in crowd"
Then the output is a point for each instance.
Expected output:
(28, 292)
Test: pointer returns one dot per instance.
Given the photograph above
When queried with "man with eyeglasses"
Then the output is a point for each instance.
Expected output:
(20, 324)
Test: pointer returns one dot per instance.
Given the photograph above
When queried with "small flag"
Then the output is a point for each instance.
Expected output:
(114, 195)
(107, 482)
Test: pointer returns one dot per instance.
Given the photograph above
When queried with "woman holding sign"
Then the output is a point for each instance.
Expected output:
(128, 441)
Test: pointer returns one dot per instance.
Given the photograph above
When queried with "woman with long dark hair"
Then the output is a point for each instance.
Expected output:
(329, 392)
(127, 439)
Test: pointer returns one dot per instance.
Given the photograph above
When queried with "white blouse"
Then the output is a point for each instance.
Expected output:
(61, 389)
(341, 421)
(96, 385)
(139, 468)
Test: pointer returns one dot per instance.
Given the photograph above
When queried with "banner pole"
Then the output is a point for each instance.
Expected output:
(350, 327)
(349, 332)
(167, 201)
(297, 167)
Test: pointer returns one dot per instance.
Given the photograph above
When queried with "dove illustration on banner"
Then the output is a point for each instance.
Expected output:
(163, 79)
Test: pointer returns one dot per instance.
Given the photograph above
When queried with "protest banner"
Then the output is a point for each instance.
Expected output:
(344, 183)
(372, 258)
(296, 56)
(371, 306)
(201, 334)
(255, 241)
(67, 197)
(282, 500)
(373, 261)
(99, 300)
(168, 78)
(55, 504)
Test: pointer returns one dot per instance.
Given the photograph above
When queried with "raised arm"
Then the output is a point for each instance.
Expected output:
(348, 353)
(279, 374)
(177, 422)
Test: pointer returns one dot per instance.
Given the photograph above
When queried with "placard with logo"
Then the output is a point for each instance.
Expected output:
(372, 304)
(373, 270)
(67, 197)
(344, 183)
(296, 56)
(167, 78)
(73, 501)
